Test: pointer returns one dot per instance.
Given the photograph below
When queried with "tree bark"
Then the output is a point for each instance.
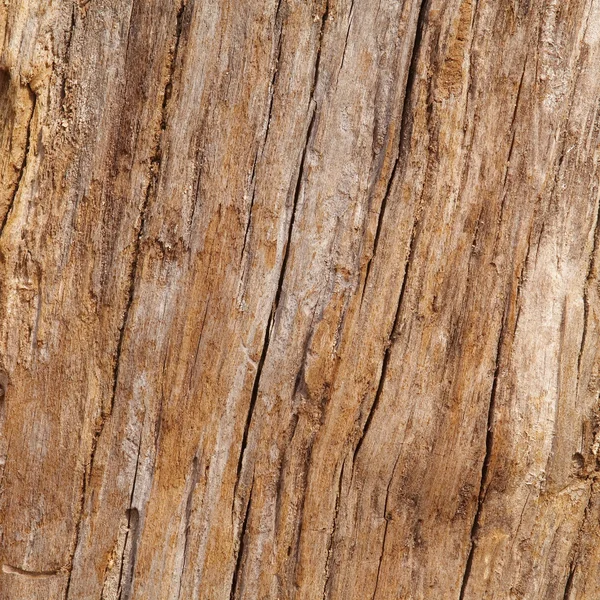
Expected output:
(299, 299)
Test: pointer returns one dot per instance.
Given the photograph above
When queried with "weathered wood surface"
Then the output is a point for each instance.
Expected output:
(299, 299)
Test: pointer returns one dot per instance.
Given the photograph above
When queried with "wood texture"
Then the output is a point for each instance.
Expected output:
(300, 299)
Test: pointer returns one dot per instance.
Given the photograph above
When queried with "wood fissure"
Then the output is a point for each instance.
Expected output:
(240, 550)
(512, 124)
(586, 287)
(278, 47)
(350, 15)
(330, 544)
(573, 564)
(299, 299)
(273, 314)
(124, 589)
(403, 136)
(389, 344)
(387, 517)
(153, 179)
(33, 97)
(485, 465)
(194, 477)
(260, 149)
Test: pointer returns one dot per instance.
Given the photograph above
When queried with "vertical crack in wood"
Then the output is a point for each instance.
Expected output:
(312, 108)
(66, 58)
(389, 344)
(387, 518)
(404, 136)
(261, 148)
(240, 550)
(151, 187)
(471, 71)
(133, 517)
(13, 197)
(253, 398)
(326, 591)
(77, 530)
(350, 16)
(588, 282)
(154, 170)
(279, 25)
(249, 222)
(489, 440)
(559, 377)
(520, 523)
(306, 467)
(513, 129)
(270, 321)
(573, 565)
(569, 584)
(316, 73)
(402, 152)
(194, 478)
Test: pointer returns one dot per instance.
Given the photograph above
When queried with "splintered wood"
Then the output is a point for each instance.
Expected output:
(300, 299)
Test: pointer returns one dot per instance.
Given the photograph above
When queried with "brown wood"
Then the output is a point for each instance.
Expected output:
(300, 299)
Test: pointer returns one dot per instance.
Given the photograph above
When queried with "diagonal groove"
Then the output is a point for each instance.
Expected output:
(489, 440)
(402, 151)
(387, 521)
(132, 528)
(154, 170)
(263, 144)
(194, 478)
(326, 590)
(388, 348)
(249, 222)
(240, 552)
(271, 320)
(24, 163)
(67, 57)
(316, 73)
(513, 120)
(569, 584)
(587, 284)
(279, 45)
(573, 565)
(350, 17)
(405, 125)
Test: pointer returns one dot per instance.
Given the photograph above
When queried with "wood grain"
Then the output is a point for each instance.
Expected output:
(300, 299)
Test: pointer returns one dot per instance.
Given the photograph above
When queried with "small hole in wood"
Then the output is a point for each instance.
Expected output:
(578, 460)
(3, 384)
